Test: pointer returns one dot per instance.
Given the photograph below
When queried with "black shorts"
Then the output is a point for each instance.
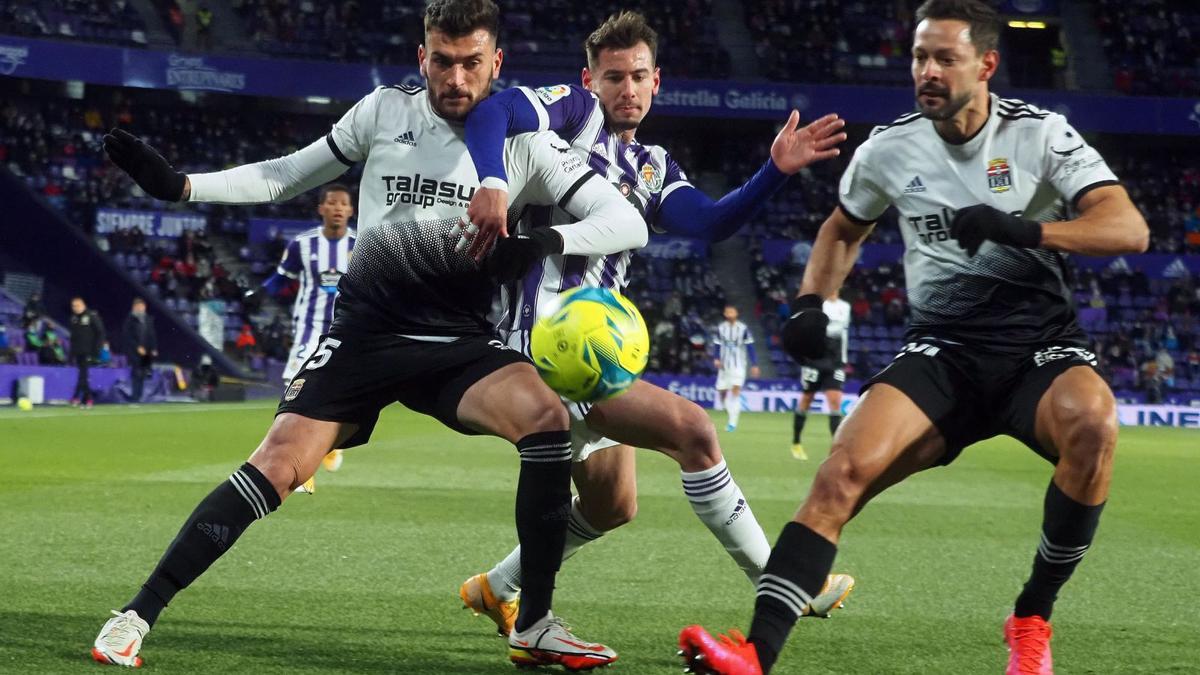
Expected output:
(973, 393)
(351, 376)
(816, 379)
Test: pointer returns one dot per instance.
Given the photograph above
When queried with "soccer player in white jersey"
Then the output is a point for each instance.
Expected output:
(734, 355)
(601, 119)
(827, 373)
(317, 258)
(411, 320)
(1004, 190)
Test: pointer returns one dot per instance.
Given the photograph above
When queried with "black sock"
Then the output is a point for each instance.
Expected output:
(795, 573)
(798, 421)
(543, 508)
(835, 421)
(217, 522)
(1067, 531)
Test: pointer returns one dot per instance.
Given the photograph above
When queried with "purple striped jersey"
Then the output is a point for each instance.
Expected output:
(644, 174)
(319, 264)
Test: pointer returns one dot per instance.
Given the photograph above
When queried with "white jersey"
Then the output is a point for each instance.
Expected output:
(732, 340)
(837, 333)
(644, 174)
(1024, 161)
(406, 276)
(319, 264)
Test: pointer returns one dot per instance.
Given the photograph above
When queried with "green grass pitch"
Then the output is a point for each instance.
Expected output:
(363, 576)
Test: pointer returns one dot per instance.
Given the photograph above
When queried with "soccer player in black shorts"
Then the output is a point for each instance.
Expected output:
(411, 321)
(826, 373)
(991, 193)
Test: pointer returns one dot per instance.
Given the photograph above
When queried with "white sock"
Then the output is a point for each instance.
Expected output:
(505, 577)
(719, 400)
(721, 506)
(734, 406)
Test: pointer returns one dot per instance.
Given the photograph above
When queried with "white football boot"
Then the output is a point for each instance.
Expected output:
(835, 590)
(120, 640)
(549, 642)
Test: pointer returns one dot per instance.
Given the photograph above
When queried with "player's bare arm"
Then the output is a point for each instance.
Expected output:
(1108, 224)
(833, 254)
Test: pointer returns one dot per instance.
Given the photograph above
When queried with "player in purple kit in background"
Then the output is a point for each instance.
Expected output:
(600, 120)
(317, 258)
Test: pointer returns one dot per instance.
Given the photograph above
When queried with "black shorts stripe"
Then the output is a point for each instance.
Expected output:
(337, 152)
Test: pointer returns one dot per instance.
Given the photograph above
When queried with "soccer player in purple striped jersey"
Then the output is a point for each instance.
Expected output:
(600, 120)
(317, 258)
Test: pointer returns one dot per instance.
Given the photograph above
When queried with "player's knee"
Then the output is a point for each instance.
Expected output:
(1086, 423)
(698, 443)
(546, 413)
(839, 486)
(616, 513)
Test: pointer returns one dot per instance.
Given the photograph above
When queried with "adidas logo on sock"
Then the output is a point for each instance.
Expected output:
(218, 533)
(914, 185)
(737, 511)
(406, 138)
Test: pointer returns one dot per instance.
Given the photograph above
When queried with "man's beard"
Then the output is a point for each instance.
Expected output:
(948, 110)
(455, 116)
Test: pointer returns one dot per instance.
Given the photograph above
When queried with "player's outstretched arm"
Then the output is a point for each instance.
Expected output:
(689, 212)
(272, 180)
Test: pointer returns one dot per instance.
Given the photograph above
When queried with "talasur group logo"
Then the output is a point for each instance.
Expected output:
(190, 72)
(12, 58)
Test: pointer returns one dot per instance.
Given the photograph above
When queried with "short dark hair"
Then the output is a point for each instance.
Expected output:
(333, 187)
(621, 31)
(138, 300)
(983, 20)
(457, 18)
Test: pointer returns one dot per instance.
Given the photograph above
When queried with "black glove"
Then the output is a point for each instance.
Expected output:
(975, 224)
(144, 165)
(513, 256)
(804, 332)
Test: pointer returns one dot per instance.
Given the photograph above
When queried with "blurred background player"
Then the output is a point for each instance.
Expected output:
(827, 374)
(317, 258)
(994, 345)
(87, 340)
(734, 346)
(141, 346)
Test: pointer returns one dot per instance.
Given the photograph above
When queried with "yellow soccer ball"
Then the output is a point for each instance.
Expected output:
(590, 344)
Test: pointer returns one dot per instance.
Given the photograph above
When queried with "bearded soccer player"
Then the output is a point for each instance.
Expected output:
(601, 119)
(410, 323)
(992, 192)
(317, 258)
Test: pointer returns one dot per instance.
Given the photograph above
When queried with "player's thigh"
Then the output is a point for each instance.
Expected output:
(833, 398)
(1076, 422)
(293, 447)
(648, 416)
(607, 485)
(885, 439)
(512, 402)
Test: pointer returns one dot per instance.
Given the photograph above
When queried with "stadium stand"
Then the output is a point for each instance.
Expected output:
(112, 21)
(1153, 45)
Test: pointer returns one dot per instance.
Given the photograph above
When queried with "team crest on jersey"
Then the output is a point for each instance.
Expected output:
(651, 177)
(999, 177)
(551, 94)
(294, 390)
